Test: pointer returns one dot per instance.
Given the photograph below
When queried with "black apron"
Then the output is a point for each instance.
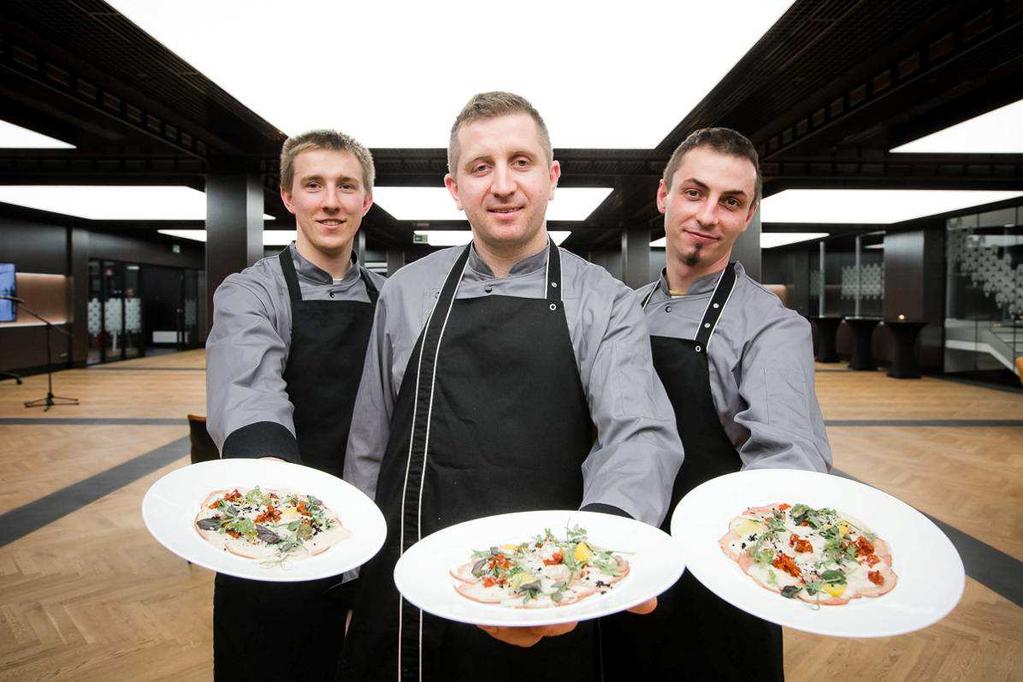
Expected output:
(693, 634)
(280, 631)
(502, 426)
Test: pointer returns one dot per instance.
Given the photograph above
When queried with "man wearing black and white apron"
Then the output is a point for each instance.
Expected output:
(503, 376)
(738, 368)
(284, 360)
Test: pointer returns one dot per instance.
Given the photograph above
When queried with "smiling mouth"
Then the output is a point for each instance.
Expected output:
(504, 211)
(702, 237)
(331, 222)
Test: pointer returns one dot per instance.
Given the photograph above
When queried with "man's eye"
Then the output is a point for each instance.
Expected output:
(347, 187)
(479, 168)
(521, 163)
(691, 193)
(733, 203)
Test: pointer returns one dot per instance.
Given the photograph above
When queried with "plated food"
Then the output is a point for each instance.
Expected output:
(545, 571)
(818, 555)
(268, 525)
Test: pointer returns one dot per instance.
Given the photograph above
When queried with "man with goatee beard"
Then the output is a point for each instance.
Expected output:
(738, 368)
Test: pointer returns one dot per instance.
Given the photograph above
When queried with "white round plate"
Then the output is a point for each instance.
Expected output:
(172, 503)
(422, 573)
(930, 573)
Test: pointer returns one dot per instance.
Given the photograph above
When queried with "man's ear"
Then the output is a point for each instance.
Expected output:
(366, 203)
(555, 174)
(286, 198)
(662, 196)
(449, 182)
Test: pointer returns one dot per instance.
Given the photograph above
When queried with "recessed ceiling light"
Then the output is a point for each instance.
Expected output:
(585, 82)
(111, 202)
(870, 206)
(999, 131)
(270, 237)
(16, 137)
(462, 237)
(768, 240)
(435, 203)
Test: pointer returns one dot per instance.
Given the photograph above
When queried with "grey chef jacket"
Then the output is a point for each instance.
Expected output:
(637, 452)
(760, 360)
(247, 349)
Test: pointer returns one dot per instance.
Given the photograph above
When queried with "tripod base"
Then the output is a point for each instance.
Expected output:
(49, 401)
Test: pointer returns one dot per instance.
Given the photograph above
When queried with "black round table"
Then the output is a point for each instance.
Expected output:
(827, 331)
(863, 332)
(904, 364)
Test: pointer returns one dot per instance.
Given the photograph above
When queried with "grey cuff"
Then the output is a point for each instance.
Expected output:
(262, 439)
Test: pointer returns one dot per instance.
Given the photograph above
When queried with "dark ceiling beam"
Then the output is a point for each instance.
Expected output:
(896, 171)
(983, 46)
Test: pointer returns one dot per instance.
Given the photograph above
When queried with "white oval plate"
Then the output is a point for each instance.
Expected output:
(172, 503)
(422, 573)
(930, 573)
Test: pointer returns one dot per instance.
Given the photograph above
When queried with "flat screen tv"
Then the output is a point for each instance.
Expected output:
(8, 311)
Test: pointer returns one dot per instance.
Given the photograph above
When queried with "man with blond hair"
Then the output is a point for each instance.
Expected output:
(529, 369)
(284, 358)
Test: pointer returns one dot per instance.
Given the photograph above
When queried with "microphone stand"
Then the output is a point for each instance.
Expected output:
(50, 400)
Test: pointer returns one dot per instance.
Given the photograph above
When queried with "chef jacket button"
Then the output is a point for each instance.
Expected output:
(697, 349)
(331, 294)
(554, 284)
(554, 306)
(717, 305)
(488, 288)
(667, 308)
(706, 325)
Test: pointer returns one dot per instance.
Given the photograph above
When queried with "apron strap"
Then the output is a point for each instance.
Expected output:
(553, 275)
(722, 292)
(650, 294)
(371, 289)
(288, 266)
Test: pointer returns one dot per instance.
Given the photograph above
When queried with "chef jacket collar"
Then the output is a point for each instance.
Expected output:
(703, 285)
(478, 269)
(306, 270)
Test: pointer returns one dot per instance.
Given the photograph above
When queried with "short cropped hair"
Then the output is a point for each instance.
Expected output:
(487, 105)
(722, 140)
(325, 139)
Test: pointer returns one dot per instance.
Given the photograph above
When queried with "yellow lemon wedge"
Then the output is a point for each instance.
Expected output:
(749, 527)
(843, 529)
(835, 590)
(583, 553)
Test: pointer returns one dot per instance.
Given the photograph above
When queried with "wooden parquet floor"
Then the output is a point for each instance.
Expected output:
(91, 596)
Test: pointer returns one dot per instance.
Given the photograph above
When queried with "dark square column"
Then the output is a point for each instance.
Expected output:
(234, 227)
(636, 257)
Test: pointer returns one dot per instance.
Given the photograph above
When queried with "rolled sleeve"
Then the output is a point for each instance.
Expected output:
(637, 454)
(786, 428)
(249, 414)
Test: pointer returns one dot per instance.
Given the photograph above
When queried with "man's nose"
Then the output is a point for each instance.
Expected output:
(503, 183)
(331, 199)
(708, 212)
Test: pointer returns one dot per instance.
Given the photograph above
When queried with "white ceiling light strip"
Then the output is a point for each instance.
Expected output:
(111, 202)
(463, 237)
(435, 203)
(394, 97)
(999, 131)
(16, 137)
(768, 240)
(870, 206)
(270, 237)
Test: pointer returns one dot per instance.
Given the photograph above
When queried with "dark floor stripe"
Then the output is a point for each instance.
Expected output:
(1005, 388)
(148, 369)
(30, 517)
(991, 567)
(93, 421)
(954, 423)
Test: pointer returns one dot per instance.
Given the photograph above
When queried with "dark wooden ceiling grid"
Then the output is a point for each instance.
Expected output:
(824, 94)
